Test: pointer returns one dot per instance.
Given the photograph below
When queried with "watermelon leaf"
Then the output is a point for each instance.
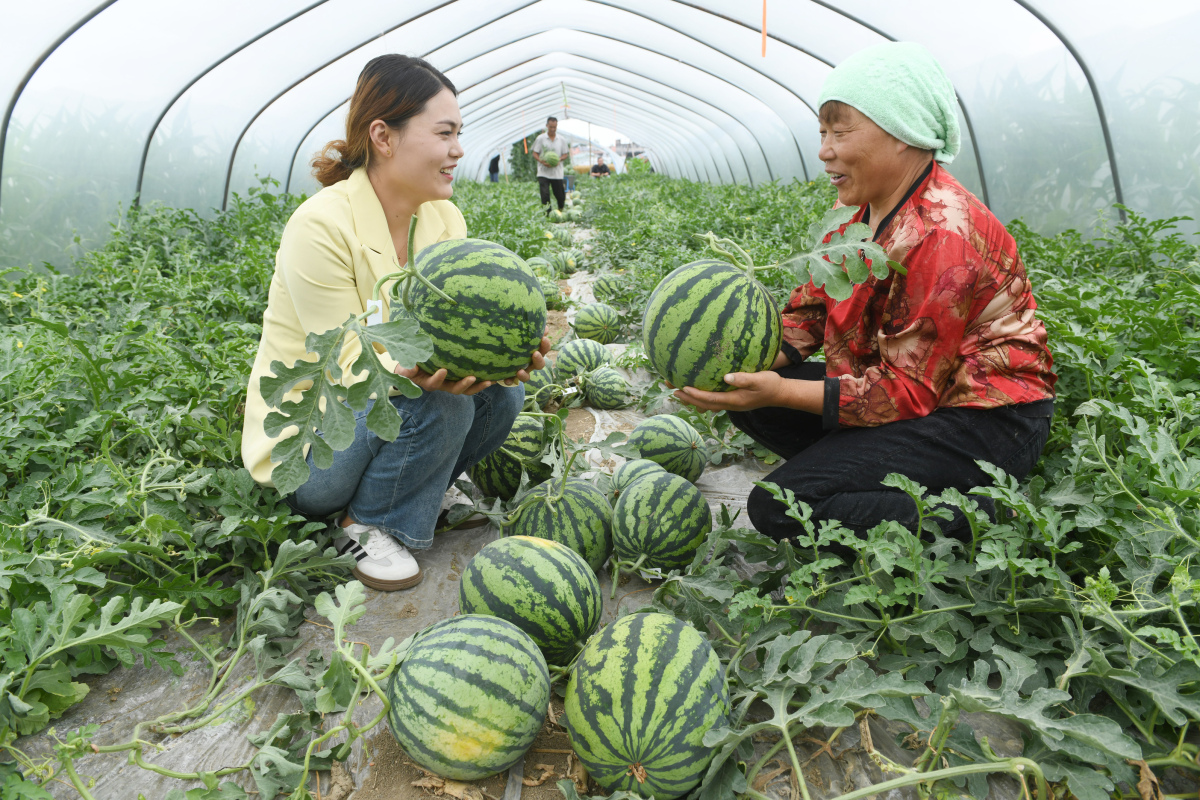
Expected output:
(837, 259)
(329, 426)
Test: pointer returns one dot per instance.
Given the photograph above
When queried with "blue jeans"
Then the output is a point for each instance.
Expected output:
(398, 486)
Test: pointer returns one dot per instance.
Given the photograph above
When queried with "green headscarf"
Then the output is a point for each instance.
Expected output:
(905, 91)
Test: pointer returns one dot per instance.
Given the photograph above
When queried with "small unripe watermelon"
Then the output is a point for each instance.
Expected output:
(667, 440)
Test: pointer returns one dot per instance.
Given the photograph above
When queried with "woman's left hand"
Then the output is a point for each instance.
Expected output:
(437, 381)
(754, 390)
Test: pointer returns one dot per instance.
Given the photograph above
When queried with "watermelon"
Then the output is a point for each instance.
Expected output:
(641, 696)
(551, 158)
(575, 195)
(608, 286)
(667, 440)
(562, 236)
(707, 319)
(499, 315)
(537, 388)
(550, 290)
(580, 518)
(544, 588)
(632, 470)
(660, 517)
(498, 474)
(557, 216)
(541, 267)
(469, 697)
(581, 355)
(604, 387)
(599, 322)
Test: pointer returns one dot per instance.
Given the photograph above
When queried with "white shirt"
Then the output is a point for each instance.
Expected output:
(544, 144)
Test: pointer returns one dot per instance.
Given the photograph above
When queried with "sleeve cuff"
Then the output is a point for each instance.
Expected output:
(829, 410)
(792, 353)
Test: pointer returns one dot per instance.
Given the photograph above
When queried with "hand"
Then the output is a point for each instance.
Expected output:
(537, 360)
(754, 390)
(437, 381)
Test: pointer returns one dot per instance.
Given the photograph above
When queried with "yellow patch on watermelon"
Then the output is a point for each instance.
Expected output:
(470, 741)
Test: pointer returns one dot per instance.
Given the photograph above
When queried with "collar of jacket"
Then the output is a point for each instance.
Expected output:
(370, 223)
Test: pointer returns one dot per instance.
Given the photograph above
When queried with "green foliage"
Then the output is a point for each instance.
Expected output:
(524, 165)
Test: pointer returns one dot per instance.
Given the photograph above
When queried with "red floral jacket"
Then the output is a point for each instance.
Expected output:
(958, 330)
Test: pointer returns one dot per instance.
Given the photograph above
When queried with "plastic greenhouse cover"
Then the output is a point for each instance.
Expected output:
(1060, 101)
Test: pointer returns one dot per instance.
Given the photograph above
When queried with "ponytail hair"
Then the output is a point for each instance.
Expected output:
(392, 88)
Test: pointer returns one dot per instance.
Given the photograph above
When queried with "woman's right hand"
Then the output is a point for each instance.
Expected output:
(437, 381)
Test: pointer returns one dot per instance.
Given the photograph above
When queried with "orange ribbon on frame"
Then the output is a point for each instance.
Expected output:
(764, 30)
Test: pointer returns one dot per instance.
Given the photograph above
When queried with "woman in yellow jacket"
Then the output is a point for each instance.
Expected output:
(397, 160)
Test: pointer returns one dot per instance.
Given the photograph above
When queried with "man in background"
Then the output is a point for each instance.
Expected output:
(494, 169)
(550, 178)
(600, 169)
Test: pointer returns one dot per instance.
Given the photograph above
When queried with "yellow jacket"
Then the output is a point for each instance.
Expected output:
(334, 248)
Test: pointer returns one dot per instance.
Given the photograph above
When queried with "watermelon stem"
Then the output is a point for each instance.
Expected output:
(740, 258)
(408, 272)
(628, 566)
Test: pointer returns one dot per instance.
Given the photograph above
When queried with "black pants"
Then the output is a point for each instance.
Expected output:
(560, 192)
(838, 473)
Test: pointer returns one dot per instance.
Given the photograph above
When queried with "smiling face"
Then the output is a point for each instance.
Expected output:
(864, 162)
(417, 162)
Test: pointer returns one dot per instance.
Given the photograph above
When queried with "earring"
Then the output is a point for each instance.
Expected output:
(388, 154)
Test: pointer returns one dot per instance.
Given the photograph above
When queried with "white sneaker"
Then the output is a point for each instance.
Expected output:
(383, 563)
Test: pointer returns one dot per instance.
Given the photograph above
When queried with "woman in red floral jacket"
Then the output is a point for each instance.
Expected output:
(925, 373)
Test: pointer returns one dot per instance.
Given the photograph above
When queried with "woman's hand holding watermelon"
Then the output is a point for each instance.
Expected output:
(437, 381)
(536, 361)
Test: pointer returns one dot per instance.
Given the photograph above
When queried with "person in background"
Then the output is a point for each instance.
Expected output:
(397, 161)
(551, 178)
(926, 371)
(600, 169)
(494, 169)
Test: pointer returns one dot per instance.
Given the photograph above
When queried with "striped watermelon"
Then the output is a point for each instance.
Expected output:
(641, 696)
(608, 286)
(581, 355)
(599, 322)
(663, 518)
(707, 319)
(632, 470)
(537, 387)
(580, 518)
(498, 474)
(544, 588)
(553, 295)
(469, 697)
(551, 158)
(667, 440)
(500, 313)
(605, 388)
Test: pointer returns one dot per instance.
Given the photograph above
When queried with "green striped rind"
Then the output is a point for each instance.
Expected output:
(632, 470)
(498, 474)
(607, 287)
(544, 588)
(469, 697)
(644, 692)
(599, 322)
(581, 355)
(605, 388)
(551, 158)
(707, 319)
(539, 379)
(662, 517)
(499, 317)
(581, 519)
(667, 440)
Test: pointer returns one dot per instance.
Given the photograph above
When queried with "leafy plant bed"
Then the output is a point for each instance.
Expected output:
(1065, 629)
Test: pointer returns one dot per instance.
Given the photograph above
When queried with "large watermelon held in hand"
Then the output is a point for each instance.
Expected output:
(578, 517)
(469, 697)
(708, 319)
(599, 322)
(667, 440)
(499, 313)
(661, 520)
(551, 158)
(498, 474)
(580, 355)
(544, 588)
(641, 696)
